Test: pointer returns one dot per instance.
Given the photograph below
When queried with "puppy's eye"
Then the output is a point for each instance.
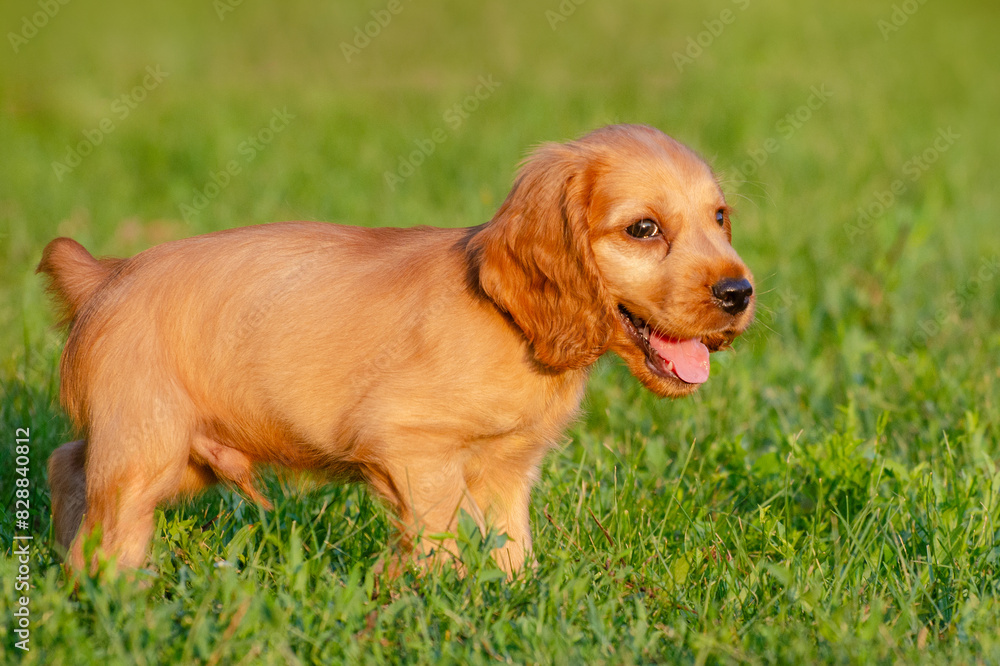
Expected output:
(720, 217)
(643, 229)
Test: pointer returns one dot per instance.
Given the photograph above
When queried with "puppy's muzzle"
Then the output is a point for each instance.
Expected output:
(733, 294)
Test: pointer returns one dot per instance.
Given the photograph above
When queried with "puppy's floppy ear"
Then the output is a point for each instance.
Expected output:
(534, 260)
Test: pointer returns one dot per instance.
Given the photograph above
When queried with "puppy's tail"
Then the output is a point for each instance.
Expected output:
(74, 275)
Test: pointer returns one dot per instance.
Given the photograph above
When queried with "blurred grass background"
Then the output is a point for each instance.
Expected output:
(877, 342)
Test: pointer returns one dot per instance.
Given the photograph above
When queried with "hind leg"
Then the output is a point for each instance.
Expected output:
(68, 485)
(131, 467)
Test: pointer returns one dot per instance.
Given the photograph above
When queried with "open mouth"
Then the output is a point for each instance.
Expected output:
(669, 358)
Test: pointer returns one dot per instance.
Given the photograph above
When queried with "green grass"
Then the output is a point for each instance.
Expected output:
(831, 495)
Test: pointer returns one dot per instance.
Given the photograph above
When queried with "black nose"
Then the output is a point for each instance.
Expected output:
(734, 295)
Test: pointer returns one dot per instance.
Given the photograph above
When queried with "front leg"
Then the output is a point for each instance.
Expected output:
(426, 495)
(427, 492)
(504, 493)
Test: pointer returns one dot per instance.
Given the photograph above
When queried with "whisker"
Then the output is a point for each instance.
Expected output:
(763, 308)
(761, 186)
(748, 199)
(758, 321)
(762, 280)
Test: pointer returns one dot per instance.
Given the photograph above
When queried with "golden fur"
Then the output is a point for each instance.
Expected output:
(437, 365)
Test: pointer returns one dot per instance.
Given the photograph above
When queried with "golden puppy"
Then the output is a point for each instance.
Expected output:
(438, 365)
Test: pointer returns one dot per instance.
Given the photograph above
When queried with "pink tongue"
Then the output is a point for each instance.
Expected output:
(687, 358)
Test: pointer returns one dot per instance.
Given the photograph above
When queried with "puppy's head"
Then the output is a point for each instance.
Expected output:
(620, 240)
